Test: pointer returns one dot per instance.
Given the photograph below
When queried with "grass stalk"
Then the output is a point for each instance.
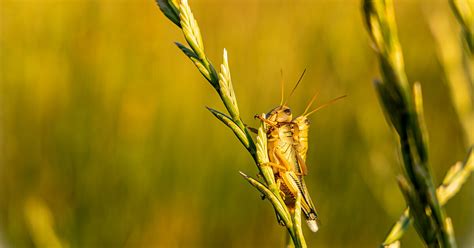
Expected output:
(404, 111)
(181, 15)
(456, 58)
(464, 12)
(452, 183)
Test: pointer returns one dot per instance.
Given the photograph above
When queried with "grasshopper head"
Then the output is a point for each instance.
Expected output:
(280, 114)
(302, 122)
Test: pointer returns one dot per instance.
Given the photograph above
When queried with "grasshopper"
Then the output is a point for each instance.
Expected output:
(288, 166)
(287, 142)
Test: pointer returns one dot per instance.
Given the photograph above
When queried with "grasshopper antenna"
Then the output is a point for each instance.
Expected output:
(310, 102)
(282, 85)
(325, 105)
(296, 85)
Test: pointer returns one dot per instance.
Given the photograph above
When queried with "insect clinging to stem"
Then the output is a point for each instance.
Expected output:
(287, 144)
(287, 165)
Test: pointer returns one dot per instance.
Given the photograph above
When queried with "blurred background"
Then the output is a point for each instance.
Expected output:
(105, 140)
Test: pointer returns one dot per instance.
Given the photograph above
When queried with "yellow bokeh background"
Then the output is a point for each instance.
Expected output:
(105, 140)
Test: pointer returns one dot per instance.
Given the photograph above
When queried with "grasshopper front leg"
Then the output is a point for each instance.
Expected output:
(268, 122)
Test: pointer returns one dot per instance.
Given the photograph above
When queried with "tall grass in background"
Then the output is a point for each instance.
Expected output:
(455, 51)
(463, 90)
(404, 111)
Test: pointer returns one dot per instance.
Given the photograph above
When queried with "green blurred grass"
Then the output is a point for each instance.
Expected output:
(103, 120)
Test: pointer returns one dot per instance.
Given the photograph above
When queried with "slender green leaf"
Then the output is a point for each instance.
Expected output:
(231, 124)
(169, 8)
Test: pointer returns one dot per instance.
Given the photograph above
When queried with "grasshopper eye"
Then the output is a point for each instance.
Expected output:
(287, 111)
(307, 122)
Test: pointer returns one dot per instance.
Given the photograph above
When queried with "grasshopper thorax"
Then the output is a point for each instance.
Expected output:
(280, 114)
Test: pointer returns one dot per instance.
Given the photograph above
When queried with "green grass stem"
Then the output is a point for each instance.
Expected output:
(404, 111)
(180, 14)
(452, 183)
